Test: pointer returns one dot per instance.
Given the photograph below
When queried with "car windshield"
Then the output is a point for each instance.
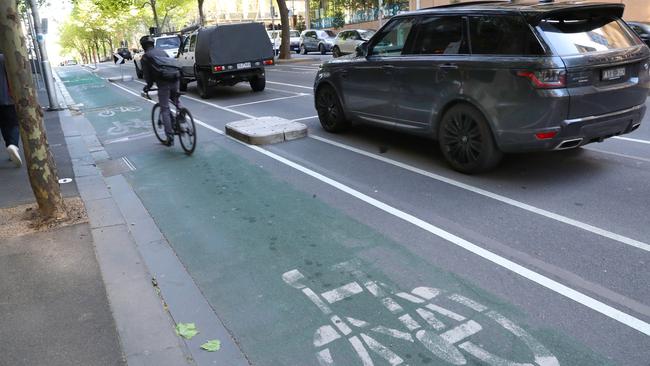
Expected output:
(168, 43)
(366, 34)
(327, 33)
(577, 36)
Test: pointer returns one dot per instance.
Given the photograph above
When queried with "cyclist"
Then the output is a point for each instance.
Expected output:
(168, 82)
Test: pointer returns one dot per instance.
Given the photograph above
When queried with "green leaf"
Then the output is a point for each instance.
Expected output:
(186, 330)
(211, 346)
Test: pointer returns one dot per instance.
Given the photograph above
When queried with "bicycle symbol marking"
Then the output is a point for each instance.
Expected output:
(121, 128)
(448, 343)
(110, 112)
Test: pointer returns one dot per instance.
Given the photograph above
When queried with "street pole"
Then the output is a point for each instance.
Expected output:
(307, 11)
(381, 12)
(32, 34)
(45, 63)
(417, 4)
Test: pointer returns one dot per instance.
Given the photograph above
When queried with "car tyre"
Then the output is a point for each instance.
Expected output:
(303, 49)
(466, 140)
(258, 83)
(330, 111)
(138, 72)
(321, 49)
(336, 52)
(202, 85)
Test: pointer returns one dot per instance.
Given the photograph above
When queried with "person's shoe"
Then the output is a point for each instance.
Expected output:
(170, 140)
(14, 155)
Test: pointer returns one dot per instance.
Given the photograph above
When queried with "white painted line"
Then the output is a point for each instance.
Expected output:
(524, 206)
(633, 140)
(646, 160)
(129, 138)
(266, 100)
(200, 101)
(128, 163)
(289, 72)
(303, 68)
(531, 275)
(291, 85)
(282, 91)
(303, 119)
(342, 292)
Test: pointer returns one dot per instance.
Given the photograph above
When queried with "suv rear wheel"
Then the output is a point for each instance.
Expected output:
(330, 112)
(321, 49)
(466, 140)
(258, 83)
(336, 52)
(202, 84)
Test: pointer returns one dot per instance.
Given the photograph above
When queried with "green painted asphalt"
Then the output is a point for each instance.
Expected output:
(238, 230)
(113, 113)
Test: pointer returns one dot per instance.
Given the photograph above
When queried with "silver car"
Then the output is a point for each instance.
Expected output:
(316, 40)
(346, 42)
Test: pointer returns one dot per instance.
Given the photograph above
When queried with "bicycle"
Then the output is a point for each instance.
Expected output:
(182, 123)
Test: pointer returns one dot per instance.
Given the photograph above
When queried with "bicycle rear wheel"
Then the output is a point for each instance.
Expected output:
(187, 130)
(157, 123)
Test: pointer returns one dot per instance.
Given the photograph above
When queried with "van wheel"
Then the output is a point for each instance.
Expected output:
(202, 85)
(258, 83)
(330, 111)
(336, 52)
(466, 140)
(138, 72)
(183, 84)
(321, 49)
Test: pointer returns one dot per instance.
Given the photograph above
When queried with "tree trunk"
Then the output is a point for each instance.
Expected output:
(38, 158)
(155, 13)
(285, 52)
(103, 47)
(201, 15)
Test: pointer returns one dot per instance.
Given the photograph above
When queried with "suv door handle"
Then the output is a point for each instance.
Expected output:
(449, 66)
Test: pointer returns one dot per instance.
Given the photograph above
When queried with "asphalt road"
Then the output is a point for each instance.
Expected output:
(312, 250)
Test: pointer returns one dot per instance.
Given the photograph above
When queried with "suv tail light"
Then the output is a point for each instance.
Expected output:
(218, 68)
(545, 79)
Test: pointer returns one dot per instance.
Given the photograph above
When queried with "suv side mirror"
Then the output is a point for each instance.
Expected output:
(362, 49)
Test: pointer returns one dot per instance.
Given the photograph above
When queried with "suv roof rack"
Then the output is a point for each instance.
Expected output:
(478, 2)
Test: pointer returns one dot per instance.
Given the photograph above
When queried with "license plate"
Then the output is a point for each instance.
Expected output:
(244, 65)
(613, 74)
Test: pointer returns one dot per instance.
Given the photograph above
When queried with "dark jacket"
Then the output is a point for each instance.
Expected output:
(150, 75)
(5, 96)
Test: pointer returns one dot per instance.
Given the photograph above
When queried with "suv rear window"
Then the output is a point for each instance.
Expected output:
(576, 36)
(502, 35)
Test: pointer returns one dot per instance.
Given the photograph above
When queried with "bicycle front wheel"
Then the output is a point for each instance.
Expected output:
(187, 130)
(157, 123)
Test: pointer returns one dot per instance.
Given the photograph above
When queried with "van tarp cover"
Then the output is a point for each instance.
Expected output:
(232, 43)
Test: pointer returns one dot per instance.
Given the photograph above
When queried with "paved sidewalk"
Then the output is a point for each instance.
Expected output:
(53, 304)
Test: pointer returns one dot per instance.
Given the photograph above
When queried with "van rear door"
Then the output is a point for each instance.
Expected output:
(607, 64)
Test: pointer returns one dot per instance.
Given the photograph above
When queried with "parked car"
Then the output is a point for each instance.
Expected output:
(347, 41)
(124, 53)
(276, 40)
(312, 40)
(168, 43)
(642, 29)
(493, 78)
(225, 55)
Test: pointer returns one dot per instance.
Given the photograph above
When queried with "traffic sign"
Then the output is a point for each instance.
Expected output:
(118, 59)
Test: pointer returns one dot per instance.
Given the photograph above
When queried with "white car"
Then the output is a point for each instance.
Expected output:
(276, 40)
(169, 44)
(346, 41)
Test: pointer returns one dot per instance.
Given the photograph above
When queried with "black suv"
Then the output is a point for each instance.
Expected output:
(489, 78)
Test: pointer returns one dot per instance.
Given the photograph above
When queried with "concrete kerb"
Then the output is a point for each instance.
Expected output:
(149, 289)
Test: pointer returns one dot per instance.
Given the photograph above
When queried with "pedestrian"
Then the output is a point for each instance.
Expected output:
(8, 116)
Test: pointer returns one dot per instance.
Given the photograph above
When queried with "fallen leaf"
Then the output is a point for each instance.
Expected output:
(211, 346)
(186, 330)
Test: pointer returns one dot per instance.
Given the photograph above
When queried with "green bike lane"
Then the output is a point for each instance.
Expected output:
(298, 281)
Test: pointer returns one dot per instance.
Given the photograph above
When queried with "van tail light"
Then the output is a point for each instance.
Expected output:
(545, 79)
(268, 62)
(218, 68)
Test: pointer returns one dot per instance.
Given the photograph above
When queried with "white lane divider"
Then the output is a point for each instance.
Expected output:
(509, 201)
(632, 140)
(267, 100)
(291, 85)
(568, 292)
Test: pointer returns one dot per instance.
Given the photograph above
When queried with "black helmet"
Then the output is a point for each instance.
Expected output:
(146, 41)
